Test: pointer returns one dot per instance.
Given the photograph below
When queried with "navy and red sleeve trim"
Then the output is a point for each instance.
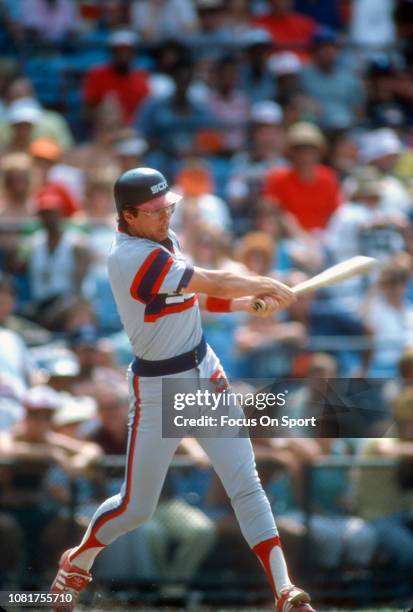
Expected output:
(150, 275)
(186, 278)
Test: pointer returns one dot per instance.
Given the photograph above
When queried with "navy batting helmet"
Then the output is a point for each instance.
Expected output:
(146, 188)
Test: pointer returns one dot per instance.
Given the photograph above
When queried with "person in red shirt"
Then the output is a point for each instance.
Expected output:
(307, 189)
(118, 78)
(289, 30)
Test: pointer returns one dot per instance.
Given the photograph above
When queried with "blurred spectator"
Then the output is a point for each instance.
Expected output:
(265, 146)
(12, 541)
(118, 79)
(50, 124)
(343, 154)
(100, 150)
(383, 106)
(73, 413)
(388, 507)
(372, 26)
(310, 398)
(161, 19)
(15, 361)
(381, 148)
(308, 190)
(403, 17)
(393, 387)
(22, 116)
(229, 104)
(238, 17)
(293, 248)
(29, 332)
(45, 153)
(289, 30)
(173, 124)
(58, 262)
(211, 20)
(201, 207)
(256, 80)
(130, 152)
(166, 54)
(110, 430)
(339, 93)
(16, 199)
(50, 21)
(34, 500)
(389, 316)
(362, 227)
(325, 12)
(98, 205)
(286, 68)
(95, 362)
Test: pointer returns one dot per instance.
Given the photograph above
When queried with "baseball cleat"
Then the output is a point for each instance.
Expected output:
(294, 600)
(70, 580)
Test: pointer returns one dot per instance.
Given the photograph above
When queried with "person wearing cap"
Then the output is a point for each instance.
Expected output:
(286, 68)
(156, 289)
(49, 21)
(118, 78)
(388, 314)
(338, 91)
(59, 258)
(228, 103)
(174, 124)
(130, 151)
(51, 124)
(360, 226)
(290, 31)
(45, 153)
(256, 79)
(382, 149)
(22, 117)
(265, 144)
(308, 189)
(162, 19)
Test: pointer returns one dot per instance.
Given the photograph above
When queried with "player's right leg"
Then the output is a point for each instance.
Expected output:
(147, 461)
(233, 459)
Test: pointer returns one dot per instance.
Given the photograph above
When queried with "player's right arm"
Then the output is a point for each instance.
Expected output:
(228, 285)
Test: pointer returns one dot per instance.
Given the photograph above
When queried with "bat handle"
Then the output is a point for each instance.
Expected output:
(259, 304)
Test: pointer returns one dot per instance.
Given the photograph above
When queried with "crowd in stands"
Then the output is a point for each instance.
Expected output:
(288, 128)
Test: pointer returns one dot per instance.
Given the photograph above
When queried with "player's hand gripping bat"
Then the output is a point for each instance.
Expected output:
(346, 269)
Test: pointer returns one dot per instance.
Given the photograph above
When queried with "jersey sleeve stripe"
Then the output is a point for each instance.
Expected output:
(171, 309)
(162, 274)
(150, 275)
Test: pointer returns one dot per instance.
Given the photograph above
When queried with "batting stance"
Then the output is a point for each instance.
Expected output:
(156, 294)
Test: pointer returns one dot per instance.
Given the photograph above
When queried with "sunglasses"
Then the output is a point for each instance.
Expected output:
(169, 210)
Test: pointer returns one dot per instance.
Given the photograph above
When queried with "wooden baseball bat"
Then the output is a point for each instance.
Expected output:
(340, 272)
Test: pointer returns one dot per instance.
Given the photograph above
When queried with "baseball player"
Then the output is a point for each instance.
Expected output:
(156, 292)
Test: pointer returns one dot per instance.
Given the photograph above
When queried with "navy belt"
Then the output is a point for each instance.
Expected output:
(173, 365)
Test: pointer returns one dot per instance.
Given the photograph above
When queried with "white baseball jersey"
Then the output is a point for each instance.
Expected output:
(146, 279)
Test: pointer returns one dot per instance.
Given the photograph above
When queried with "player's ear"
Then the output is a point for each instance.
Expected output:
(129, 214)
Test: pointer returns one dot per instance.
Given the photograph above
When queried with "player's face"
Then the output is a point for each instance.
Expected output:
(153, 226)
